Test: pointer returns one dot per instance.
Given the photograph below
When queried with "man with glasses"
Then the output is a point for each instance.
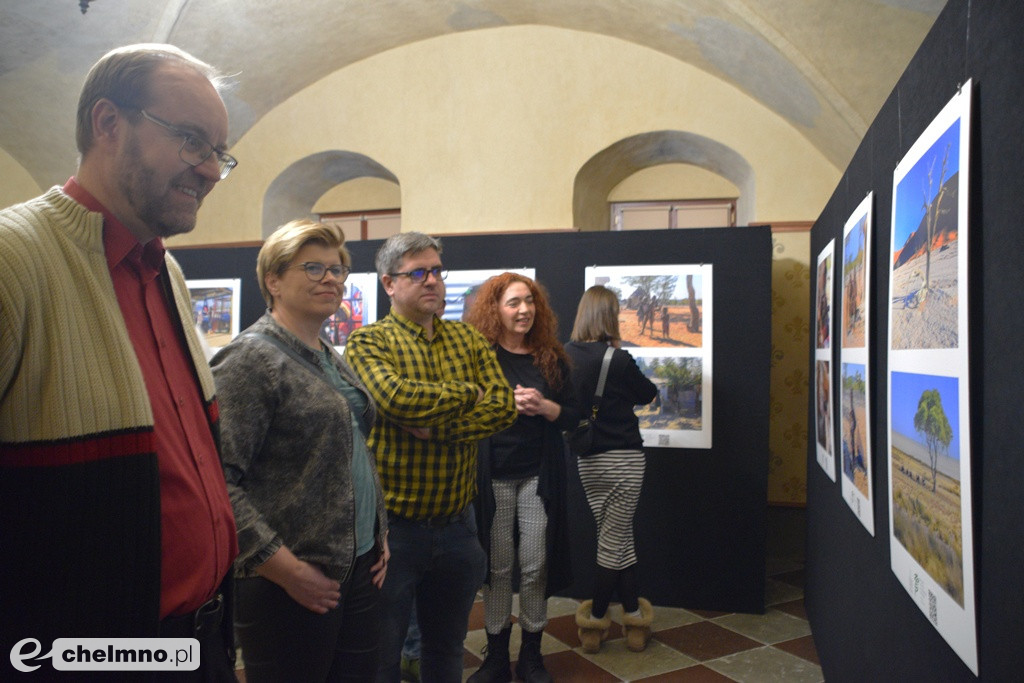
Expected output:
(439, 389)
(114, 514)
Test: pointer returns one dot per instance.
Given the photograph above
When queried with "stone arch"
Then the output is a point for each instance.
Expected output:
(295, 190)
(606, 169)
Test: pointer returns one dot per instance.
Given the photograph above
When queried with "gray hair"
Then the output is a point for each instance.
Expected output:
(394, 249)
(123, 76)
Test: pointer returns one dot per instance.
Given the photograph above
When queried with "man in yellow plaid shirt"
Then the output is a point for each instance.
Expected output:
(438, 389)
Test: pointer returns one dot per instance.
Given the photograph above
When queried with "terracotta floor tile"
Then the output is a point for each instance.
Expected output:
(692, 674)
(704, 640)
(801, 647)
(569, 666)
(795, 607)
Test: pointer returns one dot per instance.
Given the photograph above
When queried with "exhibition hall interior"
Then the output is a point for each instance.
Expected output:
(821, 190)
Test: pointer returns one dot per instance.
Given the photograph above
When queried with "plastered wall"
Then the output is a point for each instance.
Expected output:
(486, 130)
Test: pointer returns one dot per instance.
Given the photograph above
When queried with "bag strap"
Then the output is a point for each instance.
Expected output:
(605, 362)
(289, 351)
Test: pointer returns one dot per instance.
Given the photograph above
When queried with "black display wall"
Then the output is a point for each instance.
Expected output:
(865, 625)
(700, 524)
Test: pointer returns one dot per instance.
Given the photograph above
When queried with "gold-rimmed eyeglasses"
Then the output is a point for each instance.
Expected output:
(194, 150)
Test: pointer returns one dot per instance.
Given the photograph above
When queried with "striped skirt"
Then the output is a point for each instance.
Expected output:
(612, 483)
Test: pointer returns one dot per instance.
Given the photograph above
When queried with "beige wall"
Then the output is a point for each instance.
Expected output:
(17, 185)
(361, 194)
(666, 182)
(486, 130)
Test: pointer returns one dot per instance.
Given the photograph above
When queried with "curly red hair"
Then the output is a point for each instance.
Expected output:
(542, 339)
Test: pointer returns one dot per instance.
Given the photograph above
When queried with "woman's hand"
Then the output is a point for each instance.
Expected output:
(380, 568)
(303, 582)
(530, 401)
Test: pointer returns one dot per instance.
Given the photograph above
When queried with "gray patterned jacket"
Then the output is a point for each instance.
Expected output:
(286, 439)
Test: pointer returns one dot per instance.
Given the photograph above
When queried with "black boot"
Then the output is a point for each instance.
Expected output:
(495, 668)
(530, 666)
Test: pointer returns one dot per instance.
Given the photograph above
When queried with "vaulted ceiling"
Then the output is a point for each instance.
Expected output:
(826, 66)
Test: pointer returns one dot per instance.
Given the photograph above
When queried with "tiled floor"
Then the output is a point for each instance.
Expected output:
(688, 645)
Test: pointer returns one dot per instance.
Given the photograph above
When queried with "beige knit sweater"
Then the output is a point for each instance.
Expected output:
(67, 366)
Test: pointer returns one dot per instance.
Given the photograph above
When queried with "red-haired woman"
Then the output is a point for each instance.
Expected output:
(522, 472)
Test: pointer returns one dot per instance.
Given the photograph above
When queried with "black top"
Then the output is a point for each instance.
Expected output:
(517, 451)
(617, 426)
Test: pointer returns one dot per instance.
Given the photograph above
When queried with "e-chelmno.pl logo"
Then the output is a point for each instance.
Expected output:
(109, 654)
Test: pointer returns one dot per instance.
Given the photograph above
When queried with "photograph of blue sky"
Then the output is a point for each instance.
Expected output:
(907, 388)
(910, 191)
(854, 242)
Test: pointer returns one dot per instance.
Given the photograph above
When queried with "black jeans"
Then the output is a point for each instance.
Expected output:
(283, 641)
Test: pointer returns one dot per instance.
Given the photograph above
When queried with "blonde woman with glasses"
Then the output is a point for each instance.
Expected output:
(307, 498)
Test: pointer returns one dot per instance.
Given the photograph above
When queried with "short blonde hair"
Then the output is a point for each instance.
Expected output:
(277, 252)
(597, 317)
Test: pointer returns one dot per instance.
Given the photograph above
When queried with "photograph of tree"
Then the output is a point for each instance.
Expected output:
(665, 321)
(931, 543)
(824, 417)
(856, 458)
(678, 404)
(358, 308)
(854, 413)
(215, 308)
(926, 476)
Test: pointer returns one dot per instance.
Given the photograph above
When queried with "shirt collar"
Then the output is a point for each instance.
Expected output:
(119, 243)
(415, 328)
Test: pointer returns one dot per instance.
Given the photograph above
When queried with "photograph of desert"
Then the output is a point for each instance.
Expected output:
(664, 310)
(854, 311)
(925, 295)
(925, 461)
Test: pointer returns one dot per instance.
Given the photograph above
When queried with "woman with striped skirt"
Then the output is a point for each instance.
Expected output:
(612, 472)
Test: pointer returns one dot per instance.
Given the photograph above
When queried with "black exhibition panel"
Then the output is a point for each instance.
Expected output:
(701, 519)
(865, 625)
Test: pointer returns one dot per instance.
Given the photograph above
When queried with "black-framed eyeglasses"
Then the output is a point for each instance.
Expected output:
(420, 274)
(316, 271)
(194, 150)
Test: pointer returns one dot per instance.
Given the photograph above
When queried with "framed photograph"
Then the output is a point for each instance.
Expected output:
(215, 309)
(358, 308)
(824, 424)
(930, 523)
(665, 319)
(854, 414)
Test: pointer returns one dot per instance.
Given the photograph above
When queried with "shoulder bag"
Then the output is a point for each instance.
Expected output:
(580, 438)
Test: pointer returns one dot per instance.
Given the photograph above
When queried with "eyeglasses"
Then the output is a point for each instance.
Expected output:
(316, 271)
(420, 274)
(194, 150)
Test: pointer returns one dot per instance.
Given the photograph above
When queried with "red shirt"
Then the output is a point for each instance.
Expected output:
(197, 526)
